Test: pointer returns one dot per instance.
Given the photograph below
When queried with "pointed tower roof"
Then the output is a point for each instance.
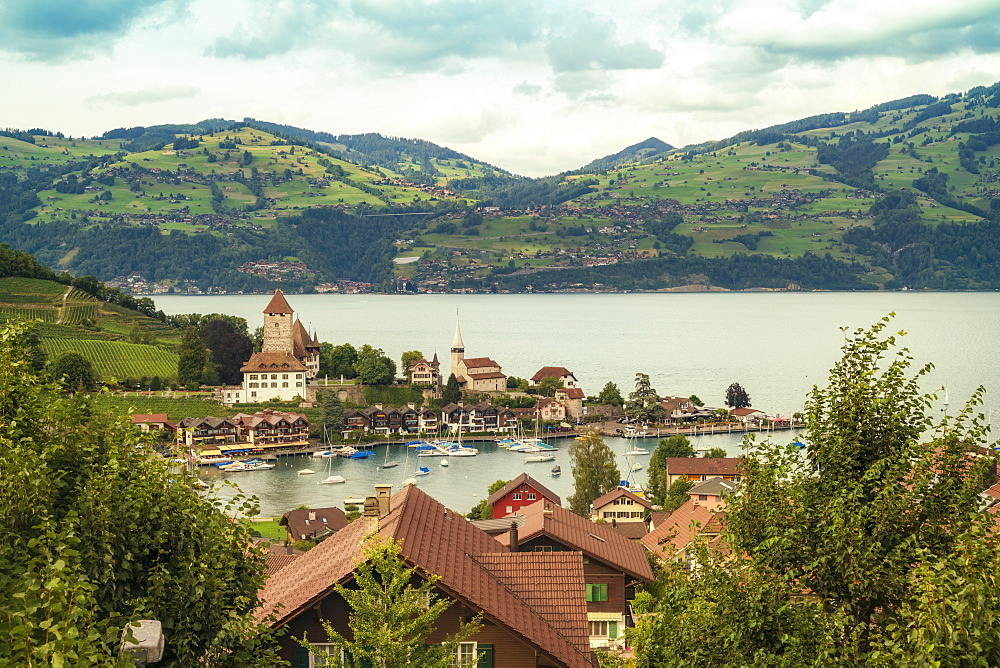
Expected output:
(278, 304)
(457, 343)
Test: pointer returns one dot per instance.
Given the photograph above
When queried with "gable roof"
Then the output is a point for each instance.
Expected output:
(304, 522)
(619, 492)
(149, 418)
(715, 466)
(631, 530)
(301, 340)
(435, 540)
(556, 371)
(272, 362)
(596, 540)
(741, 412)
(714, 487)
(524, 478)
(679, 529)
(478, 362)
(572, 392)
(278, 304)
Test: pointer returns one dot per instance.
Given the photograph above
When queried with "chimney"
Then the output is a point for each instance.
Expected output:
(513, 536)
(370, 515)
(382, 494)
(378, 406)
(312, 515)
(614, 522)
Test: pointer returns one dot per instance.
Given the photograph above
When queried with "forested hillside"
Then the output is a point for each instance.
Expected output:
(902, 194)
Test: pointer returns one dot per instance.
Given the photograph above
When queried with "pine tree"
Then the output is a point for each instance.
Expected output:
(452, 393)
(194, 357)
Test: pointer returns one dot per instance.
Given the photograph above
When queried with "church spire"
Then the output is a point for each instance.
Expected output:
(457, 345)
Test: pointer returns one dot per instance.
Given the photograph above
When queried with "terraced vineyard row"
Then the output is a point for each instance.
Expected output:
(76, 312)
(29, 313)
(117, 359)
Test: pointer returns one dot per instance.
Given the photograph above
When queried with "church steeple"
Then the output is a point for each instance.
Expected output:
(457, 350)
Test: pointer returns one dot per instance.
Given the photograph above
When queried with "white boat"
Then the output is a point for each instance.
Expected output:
(352, 501)
(540, 458)
(409, 481)
(423, 470)
(306, 472)
(637, 452)
(636, 467)
(324, 454)
(463, 452)
(332, 480)
(444, 462)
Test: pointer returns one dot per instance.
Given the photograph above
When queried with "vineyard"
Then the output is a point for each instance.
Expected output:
(30, 290)
(180, 407)
(117, 359)
(43, 313)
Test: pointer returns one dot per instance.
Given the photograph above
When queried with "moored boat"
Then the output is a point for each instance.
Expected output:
(332, 480)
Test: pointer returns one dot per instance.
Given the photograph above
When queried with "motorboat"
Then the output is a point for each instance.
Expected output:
(306, 472)
(539, 458)
(556, 471)
(637, 452)
(423, 470)
(332, 480)
(444, 462)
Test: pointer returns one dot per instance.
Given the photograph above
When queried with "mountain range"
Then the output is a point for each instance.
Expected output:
(903, 194)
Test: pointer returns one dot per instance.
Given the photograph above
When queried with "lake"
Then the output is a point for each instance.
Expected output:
(777, 345)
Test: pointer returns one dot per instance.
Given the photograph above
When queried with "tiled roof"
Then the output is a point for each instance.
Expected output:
(744, 411)
(551, 583)
(597, 540)
(572, 392)
(631, 530)
(993, 492)
(211, 422)
(555, 371)
(716, 466)
(272, 363)
(435, 540)
(278, 304)
(301, 340)
(304, 522)
(275, 562)
(499, 525)
(658, 517)
(677, 531)
(522, 479)
(619, 492)
(476, 362)
(487, 376)
(147, 418)
(714, 487)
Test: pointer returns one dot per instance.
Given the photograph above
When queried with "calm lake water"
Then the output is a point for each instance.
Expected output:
(777, 345)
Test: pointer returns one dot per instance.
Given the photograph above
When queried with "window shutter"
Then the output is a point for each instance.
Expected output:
(612, 629)
(590, 593)
(300, 657)
(485, 656)
(602, 592)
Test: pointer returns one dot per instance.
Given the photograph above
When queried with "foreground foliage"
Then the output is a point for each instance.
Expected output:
(870, 549)
(94, 532)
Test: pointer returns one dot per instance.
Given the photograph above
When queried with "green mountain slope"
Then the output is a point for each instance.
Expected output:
(225, 205)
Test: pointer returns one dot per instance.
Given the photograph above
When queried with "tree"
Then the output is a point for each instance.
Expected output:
(94, 532)
(642, 402)
(230, 348)
(548, 385)
(716, 453)
(611, 395)
(336, 361)
(737, 397)
(194, 357)
(696, 401)
(656, 484)
(374, 367)
(483, 510)
(331, 410)
(33, 351)
(452, 392)
(676, 495)
(879, 520)
(393, 609)
(515, 383)
(594, 471)
(408, 358)
(74, 370)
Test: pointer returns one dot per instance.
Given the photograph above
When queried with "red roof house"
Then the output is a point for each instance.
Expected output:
(520, 492)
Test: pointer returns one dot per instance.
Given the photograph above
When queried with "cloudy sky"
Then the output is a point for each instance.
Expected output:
(533, 87)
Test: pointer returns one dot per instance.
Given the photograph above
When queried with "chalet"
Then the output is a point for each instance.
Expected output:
(313, 523)
(560, 372)
(620, 505)
(272, 429)
(550, 409)
(153, 422)
(423, 372)
(404, 420)
(710, 493)
(698, 469)
(532, 605)
(612, 564)
(672, 538)
(520, 492)
(680, 409)
(208, 433)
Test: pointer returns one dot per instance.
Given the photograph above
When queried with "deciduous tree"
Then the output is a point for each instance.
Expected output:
(336, 361)
(547, 386)
(674, 446)
(74, 370)
(374, 367)
(594, 471)
(408, 358)
(611, 395)
(737, 397)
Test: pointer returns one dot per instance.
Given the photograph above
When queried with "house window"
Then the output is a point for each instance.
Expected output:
(703, 497)
(274, 376)
(604, 629)
(253, 394)
(253, 376)
(597, 593)
(298, 376)
(284, 376)
(465, 655)
(326, 654)
(284, 384)
(532, 496)
(545, 548)
(517, 496)
(253, 384)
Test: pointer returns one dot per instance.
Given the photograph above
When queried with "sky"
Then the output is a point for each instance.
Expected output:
(533, 87)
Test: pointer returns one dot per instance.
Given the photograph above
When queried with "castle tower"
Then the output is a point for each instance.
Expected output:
(278, 326)
(457, 349)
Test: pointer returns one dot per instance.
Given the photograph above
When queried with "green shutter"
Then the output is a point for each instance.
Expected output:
(485, 656)
(590, 593)
(300, 657)
(601, 592)
(612, 630)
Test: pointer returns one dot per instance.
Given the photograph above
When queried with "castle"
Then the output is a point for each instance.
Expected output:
(287, 365)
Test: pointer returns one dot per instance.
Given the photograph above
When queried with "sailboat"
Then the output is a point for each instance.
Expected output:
(331, 479)
(387, 464)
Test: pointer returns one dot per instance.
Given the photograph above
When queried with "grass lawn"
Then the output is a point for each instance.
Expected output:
(269, 529)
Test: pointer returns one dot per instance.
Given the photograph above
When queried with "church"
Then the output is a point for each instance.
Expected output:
(287, 365)
(475, 374)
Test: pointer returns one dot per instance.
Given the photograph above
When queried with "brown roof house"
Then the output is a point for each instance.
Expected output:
(698, 469)
(423, 372)
(313, 524)
(710, 493)
(672, 538)
(532, 604)
(560, 372)
(572, 399)
(613, 564)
